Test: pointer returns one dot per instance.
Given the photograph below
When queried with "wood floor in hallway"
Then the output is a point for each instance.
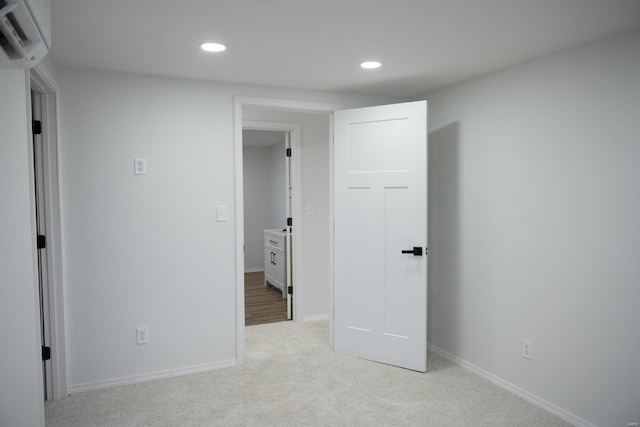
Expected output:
(262, 304)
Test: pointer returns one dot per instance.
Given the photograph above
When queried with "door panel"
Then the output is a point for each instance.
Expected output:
(380, 168)
(360, 249)
(373, 147)
(395, 274)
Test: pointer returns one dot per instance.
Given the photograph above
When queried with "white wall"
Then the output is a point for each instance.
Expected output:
(534, 227)
(264, 199)
(257, 198)
(147, 250)
(21, 389)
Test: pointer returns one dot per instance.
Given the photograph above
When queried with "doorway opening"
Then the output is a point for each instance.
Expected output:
(310, 203)
(267, 205)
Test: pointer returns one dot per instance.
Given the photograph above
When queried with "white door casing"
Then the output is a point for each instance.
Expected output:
(287, 105)
(41, 230)
(287, 239)
(380, 208)
(42, 83)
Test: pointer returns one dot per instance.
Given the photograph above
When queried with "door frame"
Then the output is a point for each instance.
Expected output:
(274, 104)
(294, 130)
(45, 89)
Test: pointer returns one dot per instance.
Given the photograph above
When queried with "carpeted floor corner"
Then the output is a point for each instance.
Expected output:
(292, 378)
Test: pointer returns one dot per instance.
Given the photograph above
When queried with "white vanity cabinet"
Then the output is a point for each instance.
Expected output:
(275, 259)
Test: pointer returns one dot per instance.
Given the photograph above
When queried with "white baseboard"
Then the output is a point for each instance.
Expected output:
(316, 318)
(529, 397)
(254, 270)
(76, 388)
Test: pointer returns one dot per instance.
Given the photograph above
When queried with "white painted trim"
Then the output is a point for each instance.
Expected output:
(133, 379)
(253, 270)
(44, 78)
(524, 394)
(41, 227)
(273, 126)
(283, 104)
(34, 254)
(239, 235)
(295, 130)
(238, 103)
(316, 318)
(41, 82)
(332, 280)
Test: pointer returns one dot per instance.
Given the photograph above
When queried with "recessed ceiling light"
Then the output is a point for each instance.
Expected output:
(370, 65)
(212, 47)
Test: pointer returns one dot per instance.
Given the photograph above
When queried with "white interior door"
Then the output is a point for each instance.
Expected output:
(380, 191)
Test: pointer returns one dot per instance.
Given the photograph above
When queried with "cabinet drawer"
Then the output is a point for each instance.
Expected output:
(276, 242)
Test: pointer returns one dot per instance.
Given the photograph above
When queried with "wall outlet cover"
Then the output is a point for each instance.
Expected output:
(142, 335)
(139, 166)
(527, 349)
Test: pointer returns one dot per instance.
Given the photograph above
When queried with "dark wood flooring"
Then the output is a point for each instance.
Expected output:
(262, 304)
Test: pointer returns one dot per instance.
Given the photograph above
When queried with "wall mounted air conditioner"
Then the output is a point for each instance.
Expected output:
(25, 32)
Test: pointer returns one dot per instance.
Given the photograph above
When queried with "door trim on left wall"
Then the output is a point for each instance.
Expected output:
(46, 89)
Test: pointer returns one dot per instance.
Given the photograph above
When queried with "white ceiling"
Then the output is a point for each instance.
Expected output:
(317, 44)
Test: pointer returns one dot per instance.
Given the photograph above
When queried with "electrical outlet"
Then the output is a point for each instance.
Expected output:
(142, 335)
(139, 166)
(527, 349)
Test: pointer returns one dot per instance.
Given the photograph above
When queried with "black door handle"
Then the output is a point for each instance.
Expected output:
(416, 251)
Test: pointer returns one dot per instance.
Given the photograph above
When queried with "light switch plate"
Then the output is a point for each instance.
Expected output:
(139, 166)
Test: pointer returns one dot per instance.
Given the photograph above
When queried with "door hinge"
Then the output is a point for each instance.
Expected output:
(288, 152)
(41, 242)
(36, 127)
(46, 353)
(290, 222)
(290, 290)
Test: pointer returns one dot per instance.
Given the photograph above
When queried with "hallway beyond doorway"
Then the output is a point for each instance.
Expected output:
(262, 304)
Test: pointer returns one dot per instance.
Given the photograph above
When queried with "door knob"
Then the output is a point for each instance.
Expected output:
(416, 251)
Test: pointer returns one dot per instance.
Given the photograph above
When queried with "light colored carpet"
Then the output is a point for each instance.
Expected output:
(292, 378)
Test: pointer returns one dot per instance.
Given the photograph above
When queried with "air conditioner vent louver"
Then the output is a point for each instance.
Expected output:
(15, 33)
(6, 46)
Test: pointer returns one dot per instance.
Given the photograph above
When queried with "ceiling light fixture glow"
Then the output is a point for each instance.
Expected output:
(213, 47)
(370, 65)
